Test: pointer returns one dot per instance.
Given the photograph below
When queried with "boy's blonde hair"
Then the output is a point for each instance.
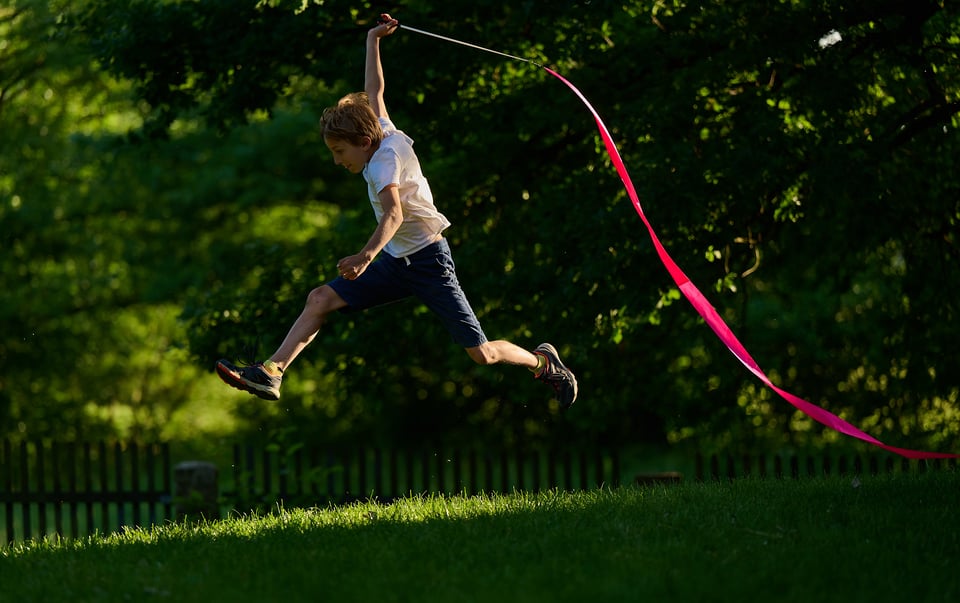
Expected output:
(351, 119)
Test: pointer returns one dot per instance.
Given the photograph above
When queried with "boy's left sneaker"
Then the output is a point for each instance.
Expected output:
(555, 374)
(254, 379)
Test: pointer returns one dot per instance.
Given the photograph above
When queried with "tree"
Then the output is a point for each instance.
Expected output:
(779, 151)
(107, 235)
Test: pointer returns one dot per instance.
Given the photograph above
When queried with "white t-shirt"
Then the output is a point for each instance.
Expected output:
(394, 162)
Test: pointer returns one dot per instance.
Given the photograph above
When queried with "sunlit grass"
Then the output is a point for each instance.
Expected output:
(884, 538)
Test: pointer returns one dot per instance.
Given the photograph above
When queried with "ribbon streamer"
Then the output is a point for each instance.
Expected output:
(695, 297)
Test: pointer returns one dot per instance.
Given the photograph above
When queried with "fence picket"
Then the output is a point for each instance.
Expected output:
(7, 484)
(24, 486)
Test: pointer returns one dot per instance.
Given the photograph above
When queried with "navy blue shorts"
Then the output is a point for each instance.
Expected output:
(428, 275)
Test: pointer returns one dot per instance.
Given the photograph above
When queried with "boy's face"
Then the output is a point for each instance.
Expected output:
(349, 155)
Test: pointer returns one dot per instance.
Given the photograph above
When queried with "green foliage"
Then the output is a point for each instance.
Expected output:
(162, 180)
(869, 539)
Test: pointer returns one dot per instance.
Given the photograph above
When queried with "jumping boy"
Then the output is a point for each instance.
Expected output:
(416, 259)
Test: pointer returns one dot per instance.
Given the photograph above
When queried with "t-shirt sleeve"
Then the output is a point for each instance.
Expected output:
(384, 169)
(386, 125)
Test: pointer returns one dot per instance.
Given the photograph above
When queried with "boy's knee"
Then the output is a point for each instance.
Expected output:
(322, 300)
(482, 354)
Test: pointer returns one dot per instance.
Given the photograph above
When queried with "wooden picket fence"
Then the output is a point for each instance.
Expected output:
(77, 489)
(729, 466)
(318, 476)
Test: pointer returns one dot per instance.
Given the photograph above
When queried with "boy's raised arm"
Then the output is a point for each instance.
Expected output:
(373, 75)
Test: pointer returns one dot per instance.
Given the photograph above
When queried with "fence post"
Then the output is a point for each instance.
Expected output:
(196, 490)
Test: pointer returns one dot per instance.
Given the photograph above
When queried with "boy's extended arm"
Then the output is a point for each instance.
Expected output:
(373, 74)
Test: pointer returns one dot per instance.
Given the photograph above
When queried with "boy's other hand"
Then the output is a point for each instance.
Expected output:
(386, 25)
(353, 266)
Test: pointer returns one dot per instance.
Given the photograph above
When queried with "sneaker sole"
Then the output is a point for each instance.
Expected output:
(576, 388)
(235, 381)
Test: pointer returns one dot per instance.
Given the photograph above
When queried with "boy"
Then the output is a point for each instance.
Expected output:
(416, 259)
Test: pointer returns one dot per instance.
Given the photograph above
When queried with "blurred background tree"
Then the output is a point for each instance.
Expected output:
(166, 200)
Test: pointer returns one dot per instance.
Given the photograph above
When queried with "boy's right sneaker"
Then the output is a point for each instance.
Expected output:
(254, 379)
(555, 374)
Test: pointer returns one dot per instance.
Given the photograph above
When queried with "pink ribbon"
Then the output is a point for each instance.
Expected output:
(710, 315)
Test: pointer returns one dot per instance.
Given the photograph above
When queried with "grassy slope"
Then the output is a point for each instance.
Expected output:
(885, 538)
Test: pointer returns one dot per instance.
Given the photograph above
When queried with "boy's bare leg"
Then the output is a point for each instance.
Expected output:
(544, 361)
(264, 379)
(320, 302)
(501, 351)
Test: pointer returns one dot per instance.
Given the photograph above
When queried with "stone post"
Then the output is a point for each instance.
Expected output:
(196, 491)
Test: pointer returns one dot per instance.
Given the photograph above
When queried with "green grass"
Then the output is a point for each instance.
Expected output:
(882, 538)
